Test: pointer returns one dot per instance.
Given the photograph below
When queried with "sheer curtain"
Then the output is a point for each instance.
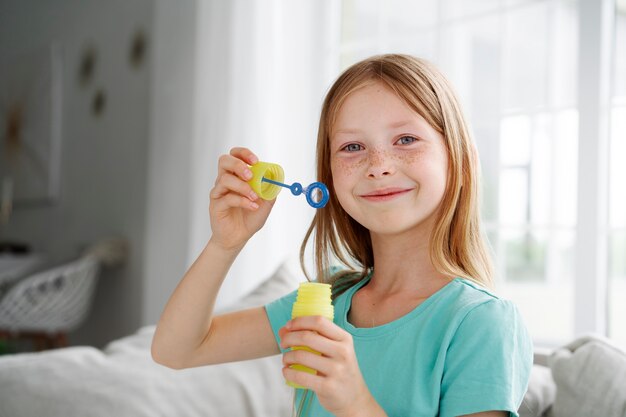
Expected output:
(261, 73)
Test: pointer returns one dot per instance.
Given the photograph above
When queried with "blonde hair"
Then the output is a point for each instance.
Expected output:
(457, 247)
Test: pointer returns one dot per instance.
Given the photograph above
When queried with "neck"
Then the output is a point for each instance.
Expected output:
(402, 263)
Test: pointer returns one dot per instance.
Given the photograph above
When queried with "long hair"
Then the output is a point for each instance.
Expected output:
(457, 246)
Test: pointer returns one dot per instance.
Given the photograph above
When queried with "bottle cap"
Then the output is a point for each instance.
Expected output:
(266, 190)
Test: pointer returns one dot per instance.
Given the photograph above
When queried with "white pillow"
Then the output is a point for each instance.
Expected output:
(590, 375)
(284, 280)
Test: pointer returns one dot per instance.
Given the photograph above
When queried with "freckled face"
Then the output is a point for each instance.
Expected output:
(389, 165)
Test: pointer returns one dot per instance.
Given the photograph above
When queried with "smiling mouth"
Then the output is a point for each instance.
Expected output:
(385, 195)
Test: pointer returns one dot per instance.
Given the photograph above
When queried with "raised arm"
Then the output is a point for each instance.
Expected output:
(187, 334)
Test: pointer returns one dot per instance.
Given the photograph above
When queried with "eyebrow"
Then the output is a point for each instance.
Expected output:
(393, 125)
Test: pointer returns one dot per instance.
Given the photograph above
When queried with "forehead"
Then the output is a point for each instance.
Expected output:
(374, 102)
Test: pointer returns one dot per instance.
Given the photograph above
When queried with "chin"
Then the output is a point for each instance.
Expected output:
(396, 225)
(390, 228)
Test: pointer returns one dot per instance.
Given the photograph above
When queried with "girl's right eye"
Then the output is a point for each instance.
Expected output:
(352, 147)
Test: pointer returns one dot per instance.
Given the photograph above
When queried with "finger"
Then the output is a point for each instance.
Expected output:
(228, 183)
(229, 200)
(318, 324)
(233, 165)
(320, 363)
(310, 339)
(282, 332)
(244, 154)
(304, 379)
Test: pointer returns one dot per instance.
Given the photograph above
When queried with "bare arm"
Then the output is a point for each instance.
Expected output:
(187, 334)
(242, 335)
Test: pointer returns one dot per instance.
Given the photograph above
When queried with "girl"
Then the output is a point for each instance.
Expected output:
(416, 331)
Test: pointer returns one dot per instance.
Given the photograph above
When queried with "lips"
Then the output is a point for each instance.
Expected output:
(385, 194)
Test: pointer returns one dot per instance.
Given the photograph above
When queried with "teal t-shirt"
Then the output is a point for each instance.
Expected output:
(461, 351)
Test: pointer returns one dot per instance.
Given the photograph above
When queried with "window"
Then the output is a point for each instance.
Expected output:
(514, 64)
(617, 185)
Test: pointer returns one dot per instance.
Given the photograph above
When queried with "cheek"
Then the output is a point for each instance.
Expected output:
(342, 171)
(411, 158)
(340, 179)
(422, 161)
(344, 167)
(431, 163)
(439, 172)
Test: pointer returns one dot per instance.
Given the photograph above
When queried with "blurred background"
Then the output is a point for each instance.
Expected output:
(113, 115)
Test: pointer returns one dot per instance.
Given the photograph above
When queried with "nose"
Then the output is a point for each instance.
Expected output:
(380, 164)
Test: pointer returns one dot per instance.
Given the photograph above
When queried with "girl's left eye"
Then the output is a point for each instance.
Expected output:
(406, 140)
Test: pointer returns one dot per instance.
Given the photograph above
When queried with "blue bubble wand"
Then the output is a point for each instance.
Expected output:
(268, 177)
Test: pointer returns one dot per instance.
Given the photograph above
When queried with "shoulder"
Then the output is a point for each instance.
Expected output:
(474, 310)
(470, 292)
(485, 320)
(469, 299)
(489, 352)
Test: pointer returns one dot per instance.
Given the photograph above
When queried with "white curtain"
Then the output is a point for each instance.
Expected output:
(262, 70)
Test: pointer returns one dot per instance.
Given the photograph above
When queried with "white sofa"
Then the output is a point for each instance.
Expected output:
(585, 378)
(122, 380)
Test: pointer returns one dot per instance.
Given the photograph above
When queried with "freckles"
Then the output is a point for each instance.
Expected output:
(409, 157)
(376, 156)
(346, 166)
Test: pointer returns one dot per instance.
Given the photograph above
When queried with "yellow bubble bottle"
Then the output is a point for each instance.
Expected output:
(313, 299)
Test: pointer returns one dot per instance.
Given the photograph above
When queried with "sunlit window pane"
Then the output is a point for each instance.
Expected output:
(565, 168)
(563, 52)
(513, 196)
(353, 55)
(525, 255)
(617, 286)
(617, 255)
(538, 266)
(454, 9)
(513, 3)
(470, 58)
(515, 141)
(617, 186)
(617, 173)
(525, 54)
(423, 44)
(360, 20)
(541, 170)
(416, 16)
(619, 84)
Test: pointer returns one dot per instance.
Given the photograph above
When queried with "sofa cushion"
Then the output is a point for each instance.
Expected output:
(540, 394)
(590, 374)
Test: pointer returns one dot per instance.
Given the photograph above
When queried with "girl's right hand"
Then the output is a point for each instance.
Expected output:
(236, 212)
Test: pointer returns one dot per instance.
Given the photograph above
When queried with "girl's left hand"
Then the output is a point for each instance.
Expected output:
(339, 385)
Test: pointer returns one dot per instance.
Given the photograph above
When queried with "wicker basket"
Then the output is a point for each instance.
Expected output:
(53, 301)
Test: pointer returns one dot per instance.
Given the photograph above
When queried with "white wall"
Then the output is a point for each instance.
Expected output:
(168, 216)
(104, 159)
